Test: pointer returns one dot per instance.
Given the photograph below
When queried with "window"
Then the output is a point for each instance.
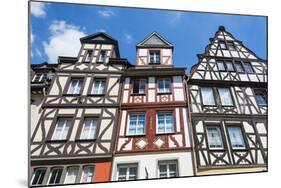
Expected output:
(225, 96)
(127, 172)
(168, 169)
(89, 129)
(38, 176)
(261, 97)
(98, 87)
(75, 86)
(102, 56)
(223, 45)
(230, 45)
(248, 67)
(61, 129)
(214, 137)
(236, 137)
(164, 85)
(238, 66)
(139, 86)
(208, 96)
(165, 122)
(154, 57)
(71, 175)
(55, 176)
(39, 77)
(136, 123)
(229, 66)
(87, 174)
(220, 65)
(89, 55)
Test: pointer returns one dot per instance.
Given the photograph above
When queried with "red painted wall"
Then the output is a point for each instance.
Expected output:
(102, 172)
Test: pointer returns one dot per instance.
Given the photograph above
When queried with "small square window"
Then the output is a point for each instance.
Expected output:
(168, 169)
(127, 172)
(222, 45)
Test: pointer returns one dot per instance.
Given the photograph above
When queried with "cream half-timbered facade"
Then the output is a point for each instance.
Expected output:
(227, 92)
(153, 135)
(74, 138)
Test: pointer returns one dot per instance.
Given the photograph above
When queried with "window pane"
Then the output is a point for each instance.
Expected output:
(75, 86)
(102, 56)
(38, 176)
(165, 122)
(163, 85)
(207, 96)
(261, 99)
(61, 130)
(220, 65)
(55, 176)
(214, 137)
(225, 96)
(231, 46)
(142, 86)
(236, 137)
(154, 57)
(98, 87)
(71, 175)
(222, 45)
(136, 124)
(238, 66)
(229, 66)
(89, 129)
(248, 67)
(87, 174)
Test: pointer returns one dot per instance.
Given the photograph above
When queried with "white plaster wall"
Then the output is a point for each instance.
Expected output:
(34, 111)
(150, 163)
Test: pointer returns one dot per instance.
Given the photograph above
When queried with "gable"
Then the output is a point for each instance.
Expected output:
(98, 38)
(154, 40)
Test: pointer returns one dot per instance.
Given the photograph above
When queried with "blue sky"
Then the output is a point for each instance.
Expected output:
(57, 27)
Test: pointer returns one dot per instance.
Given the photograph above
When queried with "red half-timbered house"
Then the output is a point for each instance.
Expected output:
(153, 135)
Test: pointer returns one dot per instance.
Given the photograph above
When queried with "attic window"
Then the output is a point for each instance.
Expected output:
(102, 56)
(230, 45)
(222, 45)
(88, 55)
(154, 56)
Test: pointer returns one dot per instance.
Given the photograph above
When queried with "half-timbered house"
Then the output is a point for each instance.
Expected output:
(153, 136)
(74, 137)
(227, 92)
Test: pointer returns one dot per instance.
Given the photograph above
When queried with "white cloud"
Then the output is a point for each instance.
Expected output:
(175, 17)
(32, 37)
(106, 13)
(38, 9)
(100, 30)
(128, 38)
(38, 53)
(64, 40)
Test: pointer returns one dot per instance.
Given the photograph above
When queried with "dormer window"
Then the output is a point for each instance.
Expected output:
(102, 56)
(88, 55)
(222, 45)
(154, 57)
(40, 77)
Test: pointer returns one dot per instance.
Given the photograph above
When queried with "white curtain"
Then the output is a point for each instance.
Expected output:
(208, 96)
(225, 96)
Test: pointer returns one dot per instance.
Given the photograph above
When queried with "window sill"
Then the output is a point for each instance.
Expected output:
(154, 63)
(135, 135)
(85, 140)
(96, 95)
(71, 95)
(56, 141)
(165, 133)
(217, 149)
(164, 93)
(100, 62)
(138, 94)
(205, 105)
(228, 106)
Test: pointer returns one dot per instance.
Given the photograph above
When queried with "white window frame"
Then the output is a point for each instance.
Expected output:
(89, 54)
(168, 163)
(50, 175)
(93, 127)
(217, 127)
(137, 125)
(65, 124)
(152, 53)
(41, 77)
(127, 166)
(164, 89)
(33, 175)
(77, 88)
(165, 125)
(83, 172)
(230, 96)
(99, 91)
(67, 173)
(213, 96)
(241, 136)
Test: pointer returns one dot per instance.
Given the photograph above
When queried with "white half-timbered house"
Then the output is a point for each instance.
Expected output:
(74, 137)
(227, 92)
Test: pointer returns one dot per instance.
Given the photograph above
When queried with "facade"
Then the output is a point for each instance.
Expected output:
(73, 139)
(153, 136)
(41, 76)
(228, 108)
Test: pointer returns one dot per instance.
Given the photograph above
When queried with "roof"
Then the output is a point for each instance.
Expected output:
(101, 38)
(155, 40)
